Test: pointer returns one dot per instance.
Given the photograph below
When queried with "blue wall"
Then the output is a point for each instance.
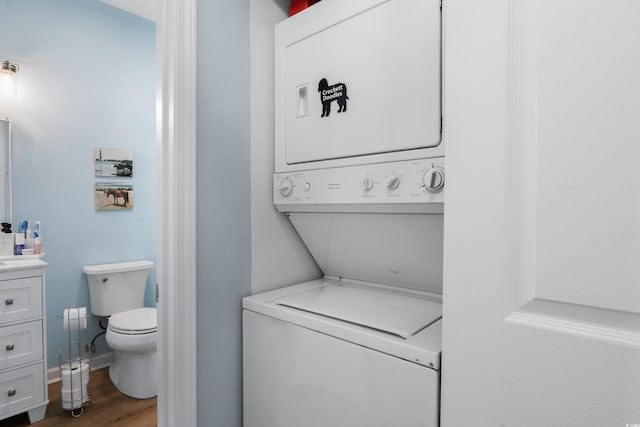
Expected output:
(223, 207)
(87, 79)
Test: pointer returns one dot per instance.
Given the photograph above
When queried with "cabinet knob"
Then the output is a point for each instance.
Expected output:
(11, 392)
(9, 347)
(8, 301)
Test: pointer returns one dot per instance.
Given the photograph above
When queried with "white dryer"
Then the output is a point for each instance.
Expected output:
(358, 81)
(341, 353)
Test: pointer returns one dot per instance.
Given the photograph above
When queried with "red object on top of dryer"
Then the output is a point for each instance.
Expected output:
(300, 5)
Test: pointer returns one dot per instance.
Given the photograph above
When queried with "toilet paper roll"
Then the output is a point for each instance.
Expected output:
(75, 398)
(74, 375)
(75, 318)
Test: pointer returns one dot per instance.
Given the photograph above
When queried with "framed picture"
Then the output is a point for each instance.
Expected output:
(114, 195)
(110, 162)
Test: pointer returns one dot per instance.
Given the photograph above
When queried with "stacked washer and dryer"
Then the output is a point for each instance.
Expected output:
(359, 171)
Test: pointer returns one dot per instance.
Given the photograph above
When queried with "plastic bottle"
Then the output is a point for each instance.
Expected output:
(37, 239)
(19, 246)
(29, 242)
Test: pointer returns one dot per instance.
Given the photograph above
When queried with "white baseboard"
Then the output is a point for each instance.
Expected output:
(97, 362)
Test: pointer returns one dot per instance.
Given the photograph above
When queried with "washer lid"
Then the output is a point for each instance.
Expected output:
(137, 321)
(378, 309)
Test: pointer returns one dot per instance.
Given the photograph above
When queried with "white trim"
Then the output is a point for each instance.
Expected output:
(144, 8)
(98, 362)
(176, 265)
(591, 331)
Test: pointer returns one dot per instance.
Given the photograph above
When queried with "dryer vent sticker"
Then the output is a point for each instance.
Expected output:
(330, 93)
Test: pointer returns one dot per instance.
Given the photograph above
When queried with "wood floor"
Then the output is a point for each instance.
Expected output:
(110, 408)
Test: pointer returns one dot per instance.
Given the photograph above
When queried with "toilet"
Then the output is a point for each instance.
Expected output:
(117, 291)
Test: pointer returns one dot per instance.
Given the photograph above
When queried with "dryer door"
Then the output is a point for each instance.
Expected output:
(358, 78)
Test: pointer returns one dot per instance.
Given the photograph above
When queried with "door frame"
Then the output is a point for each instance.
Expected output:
(176, 265)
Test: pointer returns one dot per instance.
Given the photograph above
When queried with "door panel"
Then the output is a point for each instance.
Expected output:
(588, 134)
(541, 269)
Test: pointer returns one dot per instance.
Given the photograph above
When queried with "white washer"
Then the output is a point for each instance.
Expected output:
(362, 181)
(341, 353)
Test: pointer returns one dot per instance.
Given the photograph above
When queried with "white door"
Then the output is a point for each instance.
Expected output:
(541, 315)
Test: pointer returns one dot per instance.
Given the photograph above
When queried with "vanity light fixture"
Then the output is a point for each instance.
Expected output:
(8, 79)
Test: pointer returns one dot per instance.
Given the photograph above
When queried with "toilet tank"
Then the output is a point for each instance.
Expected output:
(117, 287)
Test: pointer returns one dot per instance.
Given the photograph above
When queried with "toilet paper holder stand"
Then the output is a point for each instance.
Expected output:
(75, 365)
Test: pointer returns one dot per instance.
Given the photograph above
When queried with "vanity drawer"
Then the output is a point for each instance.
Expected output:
(20, 344)
(20, 299)
(21, 389)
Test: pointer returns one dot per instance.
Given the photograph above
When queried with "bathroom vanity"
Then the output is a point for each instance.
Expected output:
(23, 386)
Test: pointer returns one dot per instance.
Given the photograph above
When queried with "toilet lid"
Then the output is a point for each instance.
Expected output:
(134, 322)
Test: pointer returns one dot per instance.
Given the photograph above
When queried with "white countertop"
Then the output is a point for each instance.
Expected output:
(21, 264)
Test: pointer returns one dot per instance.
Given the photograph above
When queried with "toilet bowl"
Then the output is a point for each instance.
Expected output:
(133, 335)
(117, 291)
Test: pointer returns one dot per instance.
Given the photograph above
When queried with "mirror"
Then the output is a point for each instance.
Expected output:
(6, 208)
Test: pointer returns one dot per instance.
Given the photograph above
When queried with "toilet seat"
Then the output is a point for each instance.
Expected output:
(139, 321)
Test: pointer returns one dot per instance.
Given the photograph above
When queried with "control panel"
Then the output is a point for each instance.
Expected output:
(407, 182)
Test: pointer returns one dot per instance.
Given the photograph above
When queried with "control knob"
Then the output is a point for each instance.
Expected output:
(433, 179)
(393, 182)
(285, 188)
(367, 183)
